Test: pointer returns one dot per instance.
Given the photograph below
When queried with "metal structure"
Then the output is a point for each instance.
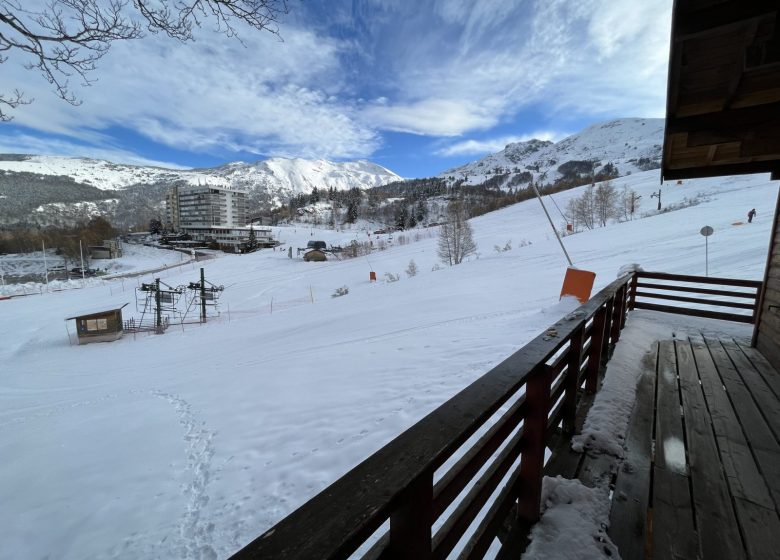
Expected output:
(658, 196)
(204, 294)
(158, 298)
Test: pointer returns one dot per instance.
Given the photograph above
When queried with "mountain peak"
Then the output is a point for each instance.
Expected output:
(630, 144)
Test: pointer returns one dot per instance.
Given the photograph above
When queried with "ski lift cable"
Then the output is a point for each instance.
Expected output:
(552, 225)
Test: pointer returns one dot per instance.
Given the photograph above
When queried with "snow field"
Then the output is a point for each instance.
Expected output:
(192, 443)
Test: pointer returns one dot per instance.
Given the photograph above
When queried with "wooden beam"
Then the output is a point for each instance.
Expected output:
(733, 119)
(731, 90)
(697, 171)
(694, 21)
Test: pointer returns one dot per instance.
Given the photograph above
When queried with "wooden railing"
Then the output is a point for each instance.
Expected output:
(455, 480)
(697, 296)
(452, 481)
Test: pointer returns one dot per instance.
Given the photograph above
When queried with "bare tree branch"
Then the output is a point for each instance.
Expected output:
(67, 38)
(11, 101)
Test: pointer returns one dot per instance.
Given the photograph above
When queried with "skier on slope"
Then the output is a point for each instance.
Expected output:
(751, 215)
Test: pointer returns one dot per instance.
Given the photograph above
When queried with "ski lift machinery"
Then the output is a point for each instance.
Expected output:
(576, 282)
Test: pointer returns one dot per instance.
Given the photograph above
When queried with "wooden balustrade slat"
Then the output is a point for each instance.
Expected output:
(753, 294)
(458, 477)
(466, 511)
(700, 279)
(595, 348)
(696, 312)
(701, 301)
(556, 417)
(605, 341)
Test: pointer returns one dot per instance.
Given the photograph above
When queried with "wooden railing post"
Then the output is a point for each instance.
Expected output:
(572, 379)
(537, 398)
(617, 314)
(632, 296)
(410, 523)
(596, 346)
(608, 316)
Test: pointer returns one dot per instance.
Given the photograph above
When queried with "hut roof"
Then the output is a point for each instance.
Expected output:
(723, 103)
(95, 313)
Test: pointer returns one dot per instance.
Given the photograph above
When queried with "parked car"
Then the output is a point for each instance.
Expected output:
(87, 271)
(319, 245)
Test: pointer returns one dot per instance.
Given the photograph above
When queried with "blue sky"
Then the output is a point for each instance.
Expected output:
(418, 87)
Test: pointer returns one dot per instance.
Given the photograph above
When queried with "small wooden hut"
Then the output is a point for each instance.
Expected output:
(315, 255)
(99, 326)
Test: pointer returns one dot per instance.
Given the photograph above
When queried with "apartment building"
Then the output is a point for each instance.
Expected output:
(208, 213)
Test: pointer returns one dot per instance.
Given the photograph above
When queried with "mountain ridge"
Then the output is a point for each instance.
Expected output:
(41, 186)
(630, 145)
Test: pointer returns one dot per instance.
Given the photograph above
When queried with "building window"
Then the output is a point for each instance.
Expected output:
(97, 324)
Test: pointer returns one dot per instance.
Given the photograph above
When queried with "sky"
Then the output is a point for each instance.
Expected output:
(418, 87)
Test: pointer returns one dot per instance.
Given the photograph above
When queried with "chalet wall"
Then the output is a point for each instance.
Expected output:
(767, 336)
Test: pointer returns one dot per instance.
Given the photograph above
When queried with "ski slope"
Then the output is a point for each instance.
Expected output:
(192, 443)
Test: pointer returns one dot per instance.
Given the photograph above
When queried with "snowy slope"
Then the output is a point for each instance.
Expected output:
(190, 444)
(633, 145)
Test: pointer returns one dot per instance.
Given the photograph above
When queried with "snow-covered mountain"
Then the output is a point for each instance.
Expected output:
(631, 145)
(43, 187)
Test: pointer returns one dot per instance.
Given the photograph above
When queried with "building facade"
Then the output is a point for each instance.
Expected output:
(212, 215)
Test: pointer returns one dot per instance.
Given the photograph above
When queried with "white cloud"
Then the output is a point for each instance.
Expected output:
(478, 64)
(437, 117)
(492, 145)
(28, 144)
(446, 68)
(214, 95)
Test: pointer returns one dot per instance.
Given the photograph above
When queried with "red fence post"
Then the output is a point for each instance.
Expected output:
(410, 523)
(572, 382)
(537, 398)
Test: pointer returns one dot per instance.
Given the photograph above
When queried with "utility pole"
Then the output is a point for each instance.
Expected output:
(83, 272)
(202, 296)
(158, 305)
(658, 196)
(45, 266)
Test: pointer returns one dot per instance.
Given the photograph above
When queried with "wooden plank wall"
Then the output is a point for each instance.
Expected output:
(767, 334)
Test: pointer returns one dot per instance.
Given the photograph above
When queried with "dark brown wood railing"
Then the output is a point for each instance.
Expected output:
(485, 447)
(714, 298)
(425, 481)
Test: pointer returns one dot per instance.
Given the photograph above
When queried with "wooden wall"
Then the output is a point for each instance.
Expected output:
(767, 335)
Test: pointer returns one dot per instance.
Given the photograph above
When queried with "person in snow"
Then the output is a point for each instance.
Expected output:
(751, 215)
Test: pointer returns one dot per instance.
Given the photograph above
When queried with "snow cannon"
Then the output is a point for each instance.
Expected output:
(578, 283)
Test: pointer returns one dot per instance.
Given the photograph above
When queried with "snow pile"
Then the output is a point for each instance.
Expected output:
(573, 524)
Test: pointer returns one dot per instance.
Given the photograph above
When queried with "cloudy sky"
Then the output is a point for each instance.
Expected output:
(417, 86)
